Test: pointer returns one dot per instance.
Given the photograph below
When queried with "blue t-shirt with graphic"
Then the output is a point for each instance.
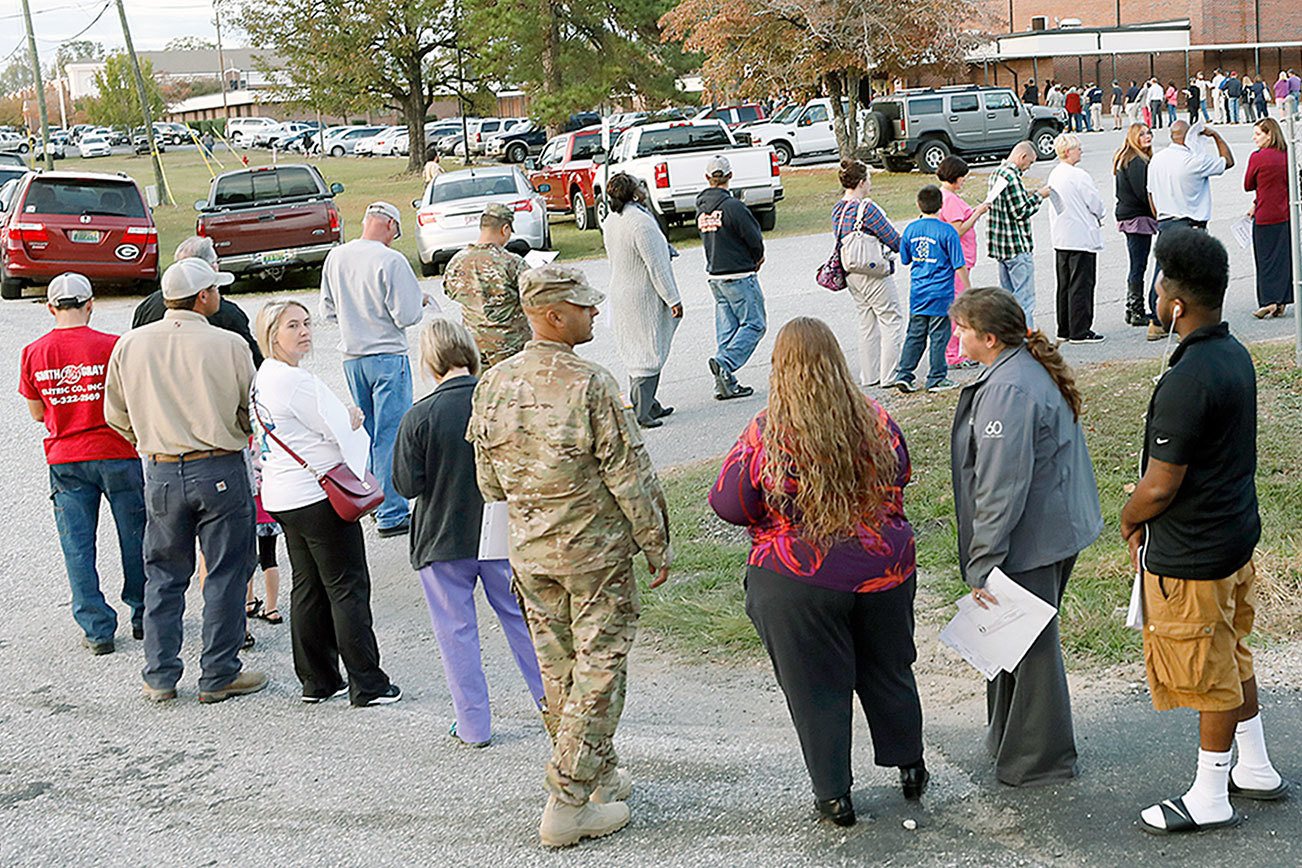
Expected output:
(933, 252)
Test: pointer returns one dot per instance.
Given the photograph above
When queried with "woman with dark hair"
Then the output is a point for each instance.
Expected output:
(645, 307)
(1267, 176)
(1027, 504)
(818, 480)
(1135, 217)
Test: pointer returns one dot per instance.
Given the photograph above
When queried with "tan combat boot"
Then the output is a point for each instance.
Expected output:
(563, 825)
(615, 786)
(246, 682)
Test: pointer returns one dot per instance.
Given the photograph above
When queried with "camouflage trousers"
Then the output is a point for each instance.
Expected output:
(583, 627)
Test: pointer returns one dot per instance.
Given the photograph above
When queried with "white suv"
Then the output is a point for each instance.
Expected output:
(240, 131)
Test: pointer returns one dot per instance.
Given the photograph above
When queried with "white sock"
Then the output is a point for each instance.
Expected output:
(1208, 800)
(1253, 771)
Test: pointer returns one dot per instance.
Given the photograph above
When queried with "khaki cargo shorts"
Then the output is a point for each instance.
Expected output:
(1194, 633)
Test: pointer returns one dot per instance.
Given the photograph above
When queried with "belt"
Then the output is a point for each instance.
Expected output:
(192, 456)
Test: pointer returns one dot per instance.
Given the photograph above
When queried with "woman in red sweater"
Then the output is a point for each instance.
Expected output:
(1267, 174)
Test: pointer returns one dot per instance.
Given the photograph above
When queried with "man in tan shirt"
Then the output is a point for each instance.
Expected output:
(178, 389)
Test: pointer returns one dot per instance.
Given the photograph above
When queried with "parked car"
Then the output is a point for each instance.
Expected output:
(94, 146)
(669, 159)
(12, 142)
(366, 147)
(270, 219)
(298, 142)
(268, 136)
(140, 143)
(529, 138)
(95, 224)
(563, 174)
(240, 131)
(345, 142)
(796, 131)
(57, 148)
(436, 130)
(734, 116)
(447, 216)
(385, 144)
(172, 133)
(921, 127)
(11, 159)
(489, 127)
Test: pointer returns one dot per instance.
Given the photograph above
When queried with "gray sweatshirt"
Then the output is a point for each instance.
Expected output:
(371, 291)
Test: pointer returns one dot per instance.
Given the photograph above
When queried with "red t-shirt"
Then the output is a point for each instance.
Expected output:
(65, 371)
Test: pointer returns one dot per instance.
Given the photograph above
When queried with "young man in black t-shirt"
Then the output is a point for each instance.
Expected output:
(1192, 524)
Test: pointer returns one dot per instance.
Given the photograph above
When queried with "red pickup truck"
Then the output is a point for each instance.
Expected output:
(565, 169)
(270, 219)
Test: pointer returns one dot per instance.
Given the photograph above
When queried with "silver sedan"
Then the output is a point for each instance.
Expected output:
(447, 216)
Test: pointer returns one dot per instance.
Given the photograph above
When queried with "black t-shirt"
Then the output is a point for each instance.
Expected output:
(1203, 415)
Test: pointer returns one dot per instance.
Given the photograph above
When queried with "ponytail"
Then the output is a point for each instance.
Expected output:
(1039, 346)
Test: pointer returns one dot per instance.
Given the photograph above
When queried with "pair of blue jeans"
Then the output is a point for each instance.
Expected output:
(381, 389)
(1017, 275)
(1233, 108)
(76, 489)
(739, 319)
(924, 329)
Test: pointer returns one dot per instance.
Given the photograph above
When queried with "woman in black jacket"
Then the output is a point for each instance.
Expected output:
(434, 465)
(1135, 215)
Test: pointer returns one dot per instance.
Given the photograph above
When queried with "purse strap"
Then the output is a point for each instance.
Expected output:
(278, 441)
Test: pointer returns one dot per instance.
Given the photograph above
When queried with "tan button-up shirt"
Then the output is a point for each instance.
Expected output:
(179, 385)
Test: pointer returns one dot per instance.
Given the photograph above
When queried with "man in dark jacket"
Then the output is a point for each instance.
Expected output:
(734, 252)
(1031, 95)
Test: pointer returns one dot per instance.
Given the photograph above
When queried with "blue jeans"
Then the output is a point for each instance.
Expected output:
(76, 489)
(381, 388)
(1174, 116)
(1206, 117)
(211, 500)
(1017, 275)
(739, 319)
(924, 329)
(1233, 103)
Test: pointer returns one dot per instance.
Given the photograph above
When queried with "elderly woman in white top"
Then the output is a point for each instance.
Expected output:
(1075, 214)
(644, 301)
(330, 615)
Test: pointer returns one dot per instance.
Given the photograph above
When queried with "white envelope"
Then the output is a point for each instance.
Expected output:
(494, 542)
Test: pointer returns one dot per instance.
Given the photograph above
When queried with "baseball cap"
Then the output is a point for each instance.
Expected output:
(549, 284)
(384, 209)
(718, 166)
(69, 287)
(187, 277)
(500, 212)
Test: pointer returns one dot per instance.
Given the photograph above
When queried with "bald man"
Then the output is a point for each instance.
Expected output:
(1011, 244)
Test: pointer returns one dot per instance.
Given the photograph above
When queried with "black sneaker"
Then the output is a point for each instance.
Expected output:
(724, 383)
(98, 649)
(1088, 338)
(311, 699)
(137, 631)
(402, 528)
(905, 386)
(388, 697)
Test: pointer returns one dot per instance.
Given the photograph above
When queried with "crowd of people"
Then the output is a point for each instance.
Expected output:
(208, 439)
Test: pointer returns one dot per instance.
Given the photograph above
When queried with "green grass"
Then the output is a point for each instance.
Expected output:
(702, 610)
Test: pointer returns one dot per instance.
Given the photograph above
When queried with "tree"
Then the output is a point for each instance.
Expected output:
(189, 43)
(344, 56)
(118, 104)
(17, 75)
(77, 51)
(572, 56)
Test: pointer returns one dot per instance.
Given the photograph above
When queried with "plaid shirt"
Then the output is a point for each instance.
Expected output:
(874, 222)
(1009, 228)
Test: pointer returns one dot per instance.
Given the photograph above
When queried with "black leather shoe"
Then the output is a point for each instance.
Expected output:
(658, 411)
(914, 781)
(839, 811)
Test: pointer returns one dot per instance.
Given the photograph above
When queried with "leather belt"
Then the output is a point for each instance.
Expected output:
(191, 456)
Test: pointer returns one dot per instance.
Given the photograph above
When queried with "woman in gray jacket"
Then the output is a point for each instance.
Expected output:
(1026, 502)
(644, 302)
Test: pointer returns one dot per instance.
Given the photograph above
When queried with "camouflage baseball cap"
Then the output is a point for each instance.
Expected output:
(500, 212)
(549, 284)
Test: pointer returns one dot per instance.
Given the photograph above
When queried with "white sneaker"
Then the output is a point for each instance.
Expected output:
(564, 825)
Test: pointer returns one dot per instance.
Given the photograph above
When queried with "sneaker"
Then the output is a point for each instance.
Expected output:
(391, 695)
(137, 631)
(965, 364)
(452, 731)
(158, 694)
(244, 683)
(1156, 332)
(905, 386)
(98, 649)
(616, 786)
(564, 825)
(1089, 338)
(724, 382)
(943, 386)
(402, 528)
(735, 390)
(249, 641)
(313, 700)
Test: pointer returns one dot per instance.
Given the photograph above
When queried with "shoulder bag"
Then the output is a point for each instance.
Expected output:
(862, 253)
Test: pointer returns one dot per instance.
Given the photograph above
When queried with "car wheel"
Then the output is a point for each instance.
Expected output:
(23, 148)
(584, 214)
(337, 151)
(517, 153)
(767, 217)
(930, 154)
(10, 287)
(1042, 137)
(602, 207)
(784, 152)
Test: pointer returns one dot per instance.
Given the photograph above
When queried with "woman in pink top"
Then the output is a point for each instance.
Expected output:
(952, 173)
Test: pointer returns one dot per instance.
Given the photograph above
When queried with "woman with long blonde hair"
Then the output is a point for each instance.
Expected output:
(818, 480)
(1135, 217)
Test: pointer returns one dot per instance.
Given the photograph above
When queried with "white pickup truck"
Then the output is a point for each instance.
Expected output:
(797, 130)
(669, 159)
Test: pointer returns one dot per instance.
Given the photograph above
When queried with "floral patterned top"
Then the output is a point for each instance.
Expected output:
(879, 556)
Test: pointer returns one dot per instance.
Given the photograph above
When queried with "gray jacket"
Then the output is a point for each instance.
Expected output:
(1024, 489)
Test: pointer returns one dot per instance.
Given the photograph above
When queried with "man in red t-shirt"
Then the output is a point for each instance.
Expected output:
(62, 378)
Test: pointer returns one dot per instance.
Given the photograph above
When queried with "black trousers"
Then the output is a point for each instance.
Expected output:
(1076, 276)
(827, 646)
(330, 613)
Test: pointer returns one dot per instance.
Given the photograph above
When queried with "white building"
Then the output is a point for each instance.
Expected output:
(242, 70)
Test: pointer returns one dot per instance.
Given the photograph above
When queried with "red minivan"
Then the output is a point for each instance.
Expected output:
(94, 224)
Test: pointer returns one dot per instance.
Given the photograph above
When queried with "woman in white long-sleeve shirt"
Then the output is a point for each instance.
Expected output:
(644, 302)
(330, 614)
(1076, 214)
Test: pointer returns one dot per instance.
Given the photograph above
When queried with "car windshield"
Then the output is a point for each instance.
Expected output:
(8, 173)
(93, 140)
(83, 196)
(452, 189)
(683, 138)
(290, 182)
(787, 115)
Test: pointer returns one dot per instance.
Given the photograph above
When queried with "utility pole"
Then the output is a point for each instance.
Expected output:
(221, 59)
(63, 105)
(164, 198)
(40, 88)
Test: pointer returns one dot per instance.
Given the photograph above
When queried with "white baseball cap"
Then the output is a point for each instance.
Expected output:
(384, 209)
(69, 287)
(187, 277)
(718, 166)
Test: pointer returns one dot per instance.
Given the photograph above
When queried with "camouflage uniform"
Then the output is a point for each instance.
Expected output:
(484, 280)
(554, 440)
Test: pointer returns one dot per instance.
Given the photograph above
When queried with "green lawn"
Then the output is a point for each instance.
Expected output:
(702, 611)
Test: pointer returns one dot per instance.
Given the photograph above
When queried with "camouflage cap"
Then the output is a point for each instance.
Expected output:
(499, 211)
(549, 284)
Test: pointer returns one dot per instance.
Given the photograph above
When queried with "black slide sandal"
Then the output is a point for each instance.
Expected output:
(1260, 795)
(1178, 820)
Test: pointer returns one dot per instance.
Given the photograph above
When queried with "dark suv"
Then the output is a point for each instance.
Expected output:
(921, 127)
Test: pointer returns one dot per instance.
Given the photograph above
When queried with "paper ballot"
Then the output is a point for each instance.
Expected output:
(536, 258)
(493, 544)
(997, 638)
(354, 443)
(1135, 614)
(996, 187)
(1056, 201)
(1242, 231)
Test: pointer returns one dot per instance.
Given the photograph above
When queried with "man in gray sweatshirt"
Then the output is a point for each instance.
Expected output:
(370, 290)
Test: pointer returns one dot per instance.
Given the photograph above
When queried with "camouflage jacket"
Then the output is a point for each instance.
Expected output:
(485, 280)
(554, 439)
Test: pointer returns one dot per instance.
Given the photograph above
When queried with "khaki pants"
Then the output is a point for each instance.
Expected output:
(583, 627)
(881, 326)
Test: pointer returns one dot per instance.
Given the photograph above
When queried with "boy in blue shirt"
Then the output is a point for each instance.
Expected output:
(931, 248)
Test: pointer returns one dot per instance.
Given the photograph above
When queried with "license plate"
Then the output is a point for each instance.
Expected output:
(272, 257)
(84, 236)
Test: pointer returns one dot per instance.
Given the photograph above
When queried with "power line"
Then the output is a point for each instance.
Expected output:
(93, 22)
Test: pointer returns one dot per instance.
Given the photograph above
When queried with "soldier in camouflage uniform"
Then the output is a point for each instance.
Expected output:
(484, 279)
(554, 439)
